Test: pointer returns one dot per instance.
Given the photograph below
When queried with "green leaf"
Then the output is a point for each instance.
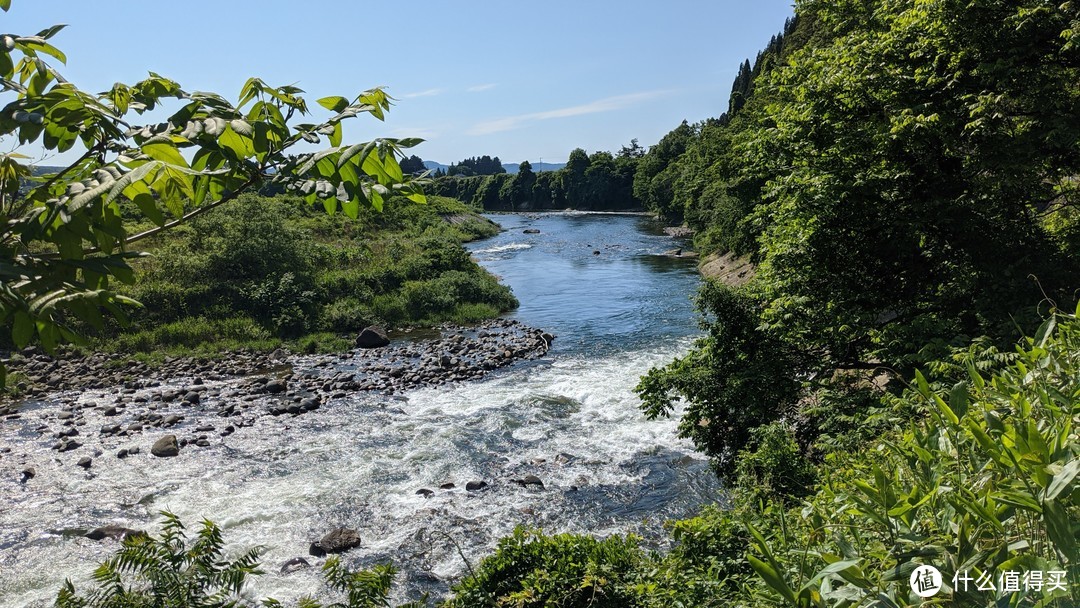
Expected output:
(958, 398)
(772, 578)
(5, 4)
(164, 152)
(51, 31)
(1063, 480)
(920, 380)
(242, 147)
(946, 412)
(334, 103)
(1059, 529)
(128, 180)
(335, 136)
(149, 208)
(23, 329)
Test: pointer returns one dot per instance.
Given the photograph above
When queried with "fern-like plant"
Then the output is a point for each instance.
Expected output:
(174, 571)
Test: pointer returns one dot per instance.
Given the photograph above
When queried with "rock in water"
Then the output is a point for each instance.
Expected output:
(372, 337)
(276, 386)
(337, 541)
(165, 447)
(294, 564)
(117, 532)
(473, 486)
(529, 480)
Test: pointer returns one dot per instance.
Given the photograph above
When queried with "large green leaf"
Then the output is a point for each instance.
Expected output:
(165, 152)
(334, 103)
(23, 329)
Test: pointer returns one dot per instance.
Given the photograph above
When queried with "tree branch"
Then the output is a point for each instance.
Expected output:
(96, 149)
(255, 178)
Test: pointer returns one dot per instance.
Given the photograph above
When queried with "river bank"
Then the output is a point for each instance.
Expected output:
(107, 405)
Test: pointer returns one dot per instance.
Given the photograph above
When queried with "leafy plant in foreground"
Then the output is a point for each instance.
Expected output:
(981, 484)
(63, 237)
(174, 571)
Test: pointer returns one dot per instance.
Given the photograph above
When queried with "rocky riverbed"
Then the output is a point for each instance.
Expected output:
(104, 405)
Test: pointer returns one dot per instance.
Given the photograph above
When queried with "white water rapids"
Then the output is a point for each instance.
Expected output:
(571, 419)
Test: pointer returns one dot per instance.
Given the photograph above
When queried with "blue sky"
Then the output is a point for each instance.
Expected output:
(509, 79)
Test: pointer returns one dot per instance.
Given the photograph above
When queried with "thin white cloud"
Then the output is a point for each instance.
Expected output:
(482, 87)
(427, 93)
(607, 104)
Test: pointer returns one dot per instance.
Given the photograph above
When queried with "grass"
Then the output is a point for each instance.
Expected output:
(268, 272)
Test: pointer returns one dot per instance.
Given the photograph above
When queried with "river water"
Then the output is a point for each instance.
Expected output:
(596, 281)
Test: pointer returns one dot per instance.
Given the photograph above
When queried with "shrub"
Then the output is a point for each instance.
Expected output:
(773, 466)
(532, 570)
(982, 482)
(735, 379)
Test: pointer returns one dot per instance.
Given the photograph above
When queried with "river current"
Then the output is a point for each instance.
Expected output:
(617, 307)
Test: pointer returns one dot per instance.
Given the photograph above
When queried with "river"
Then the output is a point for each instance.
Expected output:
(617, 307)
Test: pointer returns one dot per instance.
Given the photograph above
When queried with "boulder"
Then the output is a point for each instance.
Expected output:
(166, 447)
(336, 541)
(294, 564)
(529, 480)
(116, 532)
(473, 486)
(275, 386)
(531, 231)
(372, 337)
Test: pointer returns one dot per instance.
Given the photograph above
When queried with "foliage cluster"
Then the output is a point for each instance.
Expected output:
(271, 269)
(600, 181)
(477, 165)
(174, 571)
(64, 241)
(902, 174)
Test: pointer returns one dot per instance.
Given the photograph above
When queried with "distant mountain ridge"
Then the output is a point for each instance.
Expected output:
(511, 168)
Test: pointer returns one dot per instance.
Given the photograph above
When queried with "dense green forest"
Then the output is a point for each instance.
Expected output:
(600, 181)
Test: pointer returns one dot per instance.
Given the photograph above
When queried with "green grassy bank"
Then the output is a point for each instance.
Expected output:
(264, 272)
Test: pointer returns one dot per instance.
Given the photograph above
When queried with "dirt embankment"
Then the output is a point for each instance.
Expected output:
(728, 268)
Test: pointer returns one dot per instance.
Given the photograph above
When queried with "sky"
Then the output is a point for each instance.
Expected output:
(517, 80)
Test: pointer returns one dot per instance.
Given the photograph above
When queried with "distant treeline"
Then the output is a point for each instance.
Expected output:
(600, 181)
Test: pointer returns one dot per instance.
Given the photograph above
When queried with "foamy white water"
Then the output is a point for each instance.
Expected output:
(571, 419)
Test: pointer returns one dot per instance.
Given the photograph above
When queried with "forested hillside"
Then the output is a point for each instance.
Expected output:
(903, 176)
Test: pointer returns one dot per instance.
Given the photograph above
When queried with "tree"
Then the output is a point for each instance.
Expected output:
(892, 179)
(64, 236)
(413, 165)
(521, 189)
(740, 89)
(634, 150)
(655, 175)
